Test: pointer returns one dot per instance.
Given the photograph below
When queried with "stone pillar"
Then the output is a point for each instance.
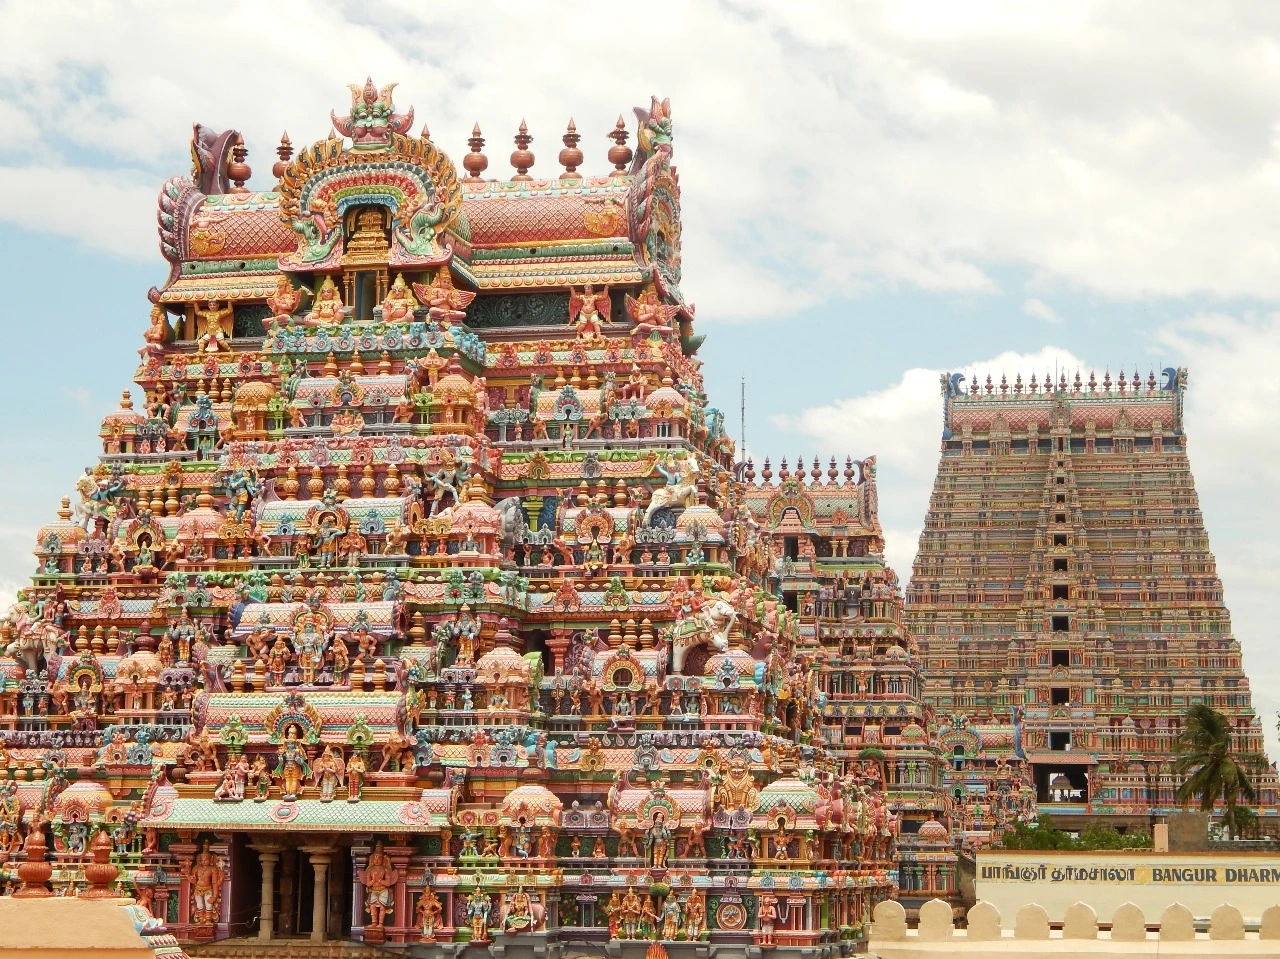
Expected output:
(288, 887)
(320, 894)
(266, 910)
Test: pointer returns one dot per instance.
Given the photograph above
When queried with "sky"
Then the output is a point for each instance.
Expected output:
(873, 193)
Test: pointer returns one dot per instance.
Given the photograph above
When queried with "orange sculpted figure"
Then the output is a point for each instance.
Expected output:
(399, 305)
(327, 309)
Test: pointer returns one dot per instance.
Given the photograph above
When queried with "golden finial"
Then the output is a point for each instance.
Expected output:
(619, 154)
(521, 158)
(570, 156)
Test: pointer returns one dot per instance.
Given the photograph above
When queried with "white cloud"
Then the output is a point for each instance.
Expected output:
(825, 148)
(902, 426)
(1040, 310)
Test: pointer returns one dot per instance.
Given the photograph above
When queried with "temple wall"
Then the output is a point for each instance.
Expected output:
(1153, 881)
(1129, 932)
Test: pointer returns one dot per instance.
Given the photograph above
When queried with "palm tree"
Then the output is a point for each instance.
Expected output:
(1217, 771)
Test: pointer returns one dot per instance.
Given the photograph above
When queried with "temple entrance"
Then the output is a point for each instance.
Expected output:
(303, 891)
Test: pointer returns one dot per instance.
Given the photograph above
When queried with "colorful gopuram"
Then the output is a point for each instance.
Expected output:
(1066, 604)
(827, 565)
(415, 599)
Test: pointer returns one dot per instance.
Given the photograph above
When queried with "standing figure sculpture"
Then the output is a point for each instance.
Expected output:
(206, 887)
(378, 877)
(291, 766)
(657, 839)
(429, 913)
(478, 909)
(327, 773)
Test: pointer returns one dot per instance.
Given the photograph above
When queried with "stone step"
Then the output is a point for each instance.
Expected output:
(253, 948)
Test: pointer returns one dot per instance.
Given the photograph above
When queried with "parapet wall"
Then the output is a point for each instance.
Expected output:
(1151, 880)
(1131, 933)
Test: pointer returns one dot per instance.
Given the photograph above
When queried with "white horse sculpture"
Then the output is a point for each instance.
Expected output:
(681, 488)
(711, 624)
(511, 520)
(32, 638)
(87, 510)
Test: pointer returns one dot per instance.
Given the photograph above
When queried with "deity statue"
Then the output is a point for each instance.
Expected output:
(681, 488)
(325, 540)
(278, 660)
(327, 310)
(626, 839)
(400, 303)
(226, 791)
(445, 303)
(260, 776)
(695, 915)
(479, 907)
(243, 487)
(291, 766)
(215, 323)
(339, 660)
(670, 917)
(657, 839)
(629, 911)
(10, 816)
(310, 644)
(649, 312)
(206, 887)
(695, 845)
(158, 333)
(283, 301)
(428, 915)
(327, 773)
(767, 915)
(519, 912)
(589, 311)
(356, 770)
(378, 877)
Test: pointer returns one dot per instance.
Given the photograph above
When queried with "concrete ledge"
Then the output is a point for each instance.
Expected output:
(69, 929)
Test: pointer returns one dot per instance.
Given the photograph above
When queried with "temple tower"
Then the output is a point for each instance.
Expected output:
(1066, 601)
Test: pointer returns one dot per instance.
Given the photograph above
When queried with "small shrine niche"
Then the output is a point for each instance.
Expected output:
(364, 259)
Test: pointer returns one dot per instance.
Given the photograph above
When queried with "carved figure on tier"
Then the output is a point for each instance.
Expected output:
(695, 845)
(681, 489)
(695, 915)
(766, 916)
(670, 917)
(291, 766)
(428, 915)
(215, 327)
(479, 908)
(327, 773)
(206, 887)
(519, 912)
(243, 487)
(630, 911)
(650, 313)
(260, 776)
(327, 310)
(658, 840)
(399, 304)
(378, 877)
(356, 770)
(445, 303)
(589, 311)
